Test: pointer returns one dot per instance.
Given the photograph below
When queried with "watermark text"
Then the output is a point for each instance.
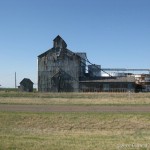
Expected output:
(132, 146)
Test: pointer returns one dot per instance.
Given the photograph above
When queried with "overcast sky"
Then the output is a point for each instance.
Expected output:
(113, 33)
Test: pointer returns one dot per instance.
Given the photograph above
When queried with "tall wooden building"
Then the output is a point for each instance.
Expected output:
(59, 68)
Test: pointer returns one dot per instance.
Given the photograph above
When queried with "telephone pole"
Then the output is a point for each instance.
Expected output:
(15, 81)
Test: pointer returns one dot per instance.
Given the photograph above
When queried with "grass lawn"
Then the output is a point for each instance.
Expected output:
(82, 131)
(74, 131)
(75, 98)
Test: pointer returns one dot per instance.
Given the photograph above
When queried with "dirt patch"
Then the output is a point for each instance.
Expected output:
(60, 108)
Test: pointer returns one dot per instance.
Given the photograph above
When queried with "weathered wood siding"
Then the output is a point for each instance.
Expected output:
(55, 64)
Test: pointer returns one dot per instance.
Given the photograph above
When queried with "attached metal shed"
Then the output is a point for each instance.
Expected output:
(119, 84)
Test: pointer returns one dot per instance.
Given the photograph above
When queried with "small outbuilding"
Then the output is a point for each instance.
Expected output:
(26, 85)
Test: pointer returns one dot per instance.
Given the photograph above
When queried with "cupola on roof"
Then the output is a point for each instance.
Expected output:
(58, 42)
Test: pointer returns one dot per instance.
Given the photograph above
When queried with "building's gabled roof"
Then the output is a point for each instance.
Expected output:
(59, 43)
(45, 53)
(59, 40)
(63, 74)
(58, 37)
(25, 80)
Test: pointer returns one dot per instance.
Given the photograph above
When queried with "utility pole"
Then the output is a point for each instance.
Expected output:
(15, 81)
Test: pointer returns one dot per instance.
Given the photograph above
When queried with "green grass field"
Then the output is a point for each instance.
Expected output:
(75, 131)
(75, 98)
(99, 131)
